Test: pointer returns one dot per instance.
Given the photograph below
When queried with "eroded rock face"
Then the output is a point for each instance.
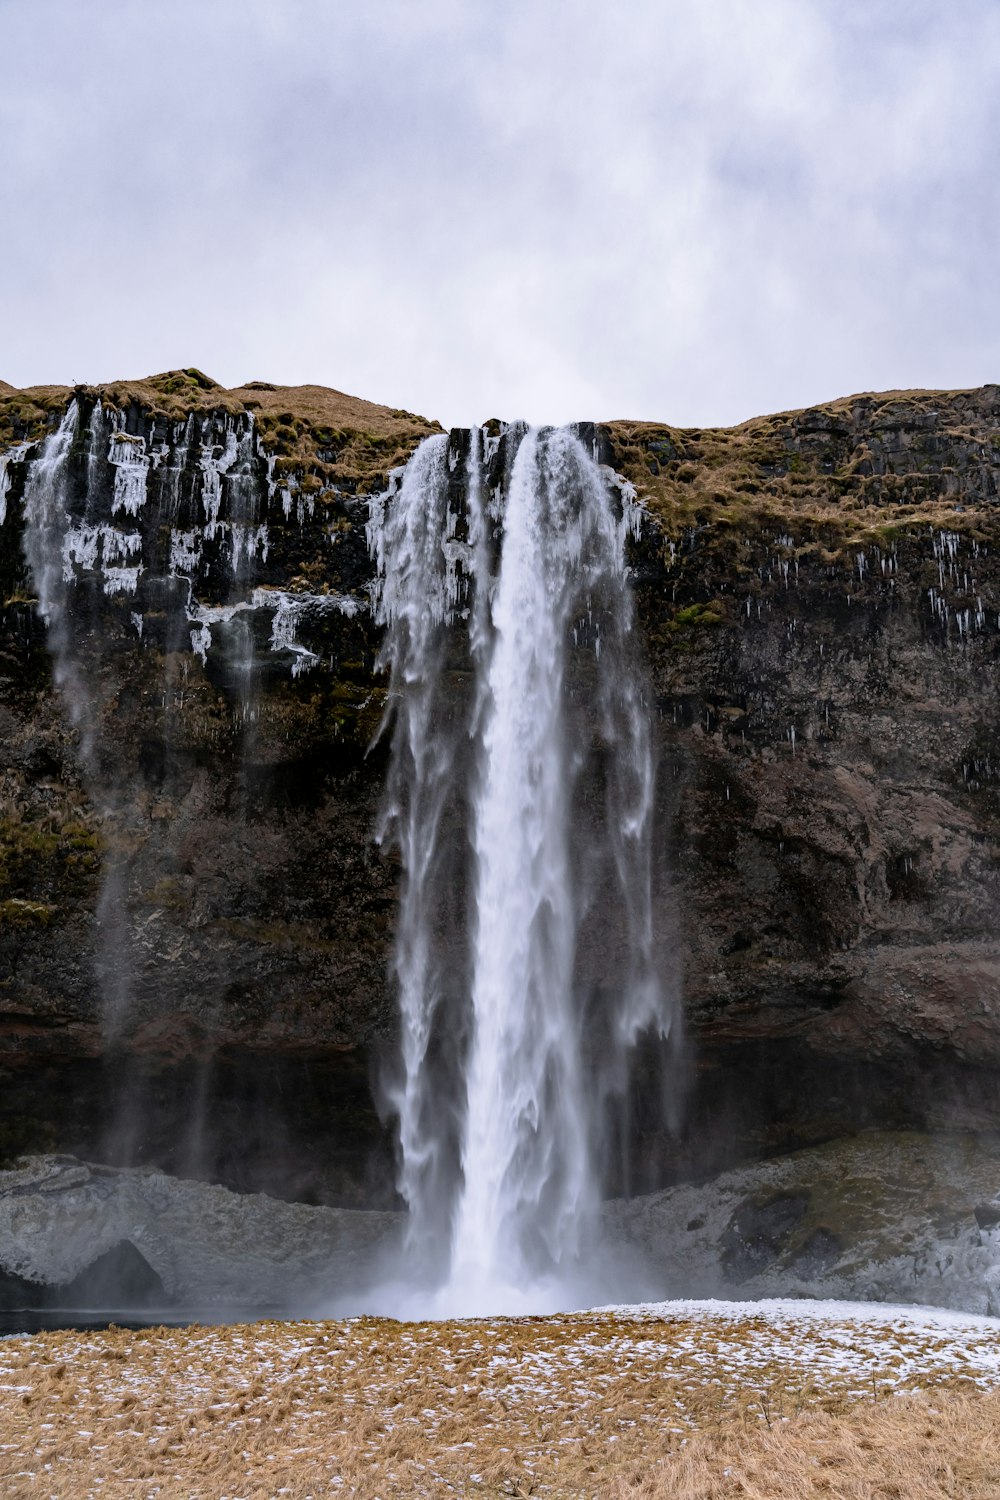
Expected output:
(824, 661)
(193, 914)
(880, 1217)
(196, 922)
(87, 1236)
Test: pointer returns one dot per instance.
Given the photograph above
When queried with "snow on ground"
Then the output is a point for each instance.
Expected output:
(430, 1406)
(844, 1340)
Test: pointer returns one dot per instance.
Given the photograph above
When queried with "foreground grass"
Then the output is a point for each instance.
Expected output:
(694, 1404)
(915, 1448)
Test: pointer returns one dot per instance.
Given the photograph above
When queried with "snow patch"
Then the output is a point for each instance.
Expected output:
(185, 551)
(289, 610)
(131, 464)
(12, 456)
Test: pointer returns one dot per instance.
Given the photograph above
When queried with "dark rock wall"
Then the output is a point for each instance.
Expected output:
(825, 663)
(820, 600)
(194, 916)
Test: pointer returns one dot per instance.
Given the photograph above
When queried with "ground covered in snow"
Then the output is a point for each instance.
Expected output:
(620, 1401)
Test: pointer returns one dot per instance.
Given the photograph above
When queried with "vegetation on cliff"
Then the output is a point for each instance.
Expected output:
(819, 601)
(326, 438)
(862, 467)
(859, 469)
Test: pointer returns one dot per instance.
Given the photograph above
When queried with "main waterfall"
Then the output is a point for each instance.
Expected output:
(520, 797)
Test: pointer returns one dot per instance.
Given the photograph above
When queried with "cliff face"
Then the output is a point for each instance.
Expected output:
(195, 920)
(193, 913)
(823, 616)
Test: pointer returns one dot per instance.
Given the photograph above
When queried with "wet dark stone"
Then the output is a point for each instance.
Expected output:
(758, 1233)
(120, 1278)
(16, 1292)
(817, 1255)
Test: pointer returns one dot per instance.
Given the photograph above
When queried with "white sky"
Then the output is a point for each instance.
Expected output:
(688, 210)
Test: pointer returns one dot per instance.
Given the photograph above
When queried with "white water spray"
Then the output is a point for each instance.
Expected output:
(49, 547)
(412, 536)
(524, 954)
(94, 497)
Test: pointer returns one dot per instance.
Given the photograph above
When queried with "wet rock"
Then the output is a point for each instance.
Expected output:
(877, 1217)
(817, 1255)
(819, 598)
(120, 1278)
(758, 1232)
(80, 1236)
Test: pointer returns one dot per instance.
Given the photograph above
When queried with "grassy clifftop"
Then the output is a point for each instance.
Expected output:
(849, 469)
(852, 467)
(326, 436)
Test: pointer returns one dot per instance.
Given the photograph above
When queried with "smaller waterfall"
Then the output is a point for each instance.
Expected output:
(520, 796)
(59, 538)
(426, 570)
(50, 557)
(154, 533)
(173, 566)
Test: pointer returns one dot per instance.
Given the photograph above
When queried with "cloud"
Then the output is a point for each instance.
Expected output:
(685, 209)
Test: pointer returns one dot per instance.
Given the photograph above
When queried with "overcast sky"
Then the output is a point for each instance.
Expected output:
(688, 210)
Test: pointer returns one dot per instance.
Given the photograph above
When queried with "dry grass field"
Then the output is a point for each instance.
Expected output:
(686, 1401)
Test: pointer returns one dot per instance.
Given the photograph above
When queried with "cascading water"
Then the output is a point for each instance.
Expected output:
(86, 540)
(46, 546)
(146, 541)
(520, 796)
(426, 572)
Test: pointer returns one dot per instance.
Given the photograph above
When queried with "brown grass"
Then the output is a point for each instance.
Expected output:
(811, 469)
(917, 1448)
(322, 435)
(816, 470)
(572, 1406)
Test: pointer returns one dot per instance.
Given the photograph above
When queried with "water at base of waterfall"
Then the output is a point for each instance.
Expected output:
(520, 798)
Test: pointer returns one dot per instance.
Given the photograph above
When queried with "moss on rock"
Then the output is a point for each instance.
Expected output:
(830, 471)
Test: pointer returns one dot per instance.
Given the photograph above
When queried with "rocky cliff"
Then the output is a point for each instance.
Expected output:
(195, 920)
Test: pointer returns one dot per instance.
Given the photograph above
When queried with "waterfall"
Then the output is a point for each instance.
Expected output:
(520, 797)
(48, 552)
(151, 534)
(427, 571)
(59, 537)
